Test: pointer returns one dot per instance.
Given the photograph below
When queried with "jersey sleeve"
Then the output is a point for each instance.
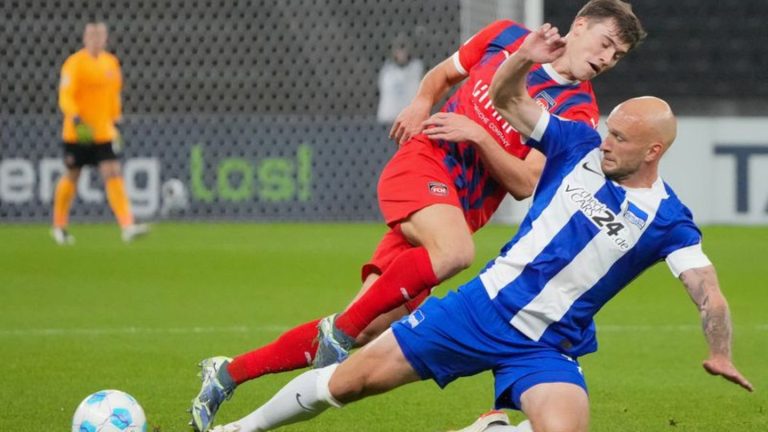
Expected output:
(67, 87)
(582, 112)
(487, 40)
(117, 104)
(687, 258)
(682, 249)
(579, 104)
(553, 134)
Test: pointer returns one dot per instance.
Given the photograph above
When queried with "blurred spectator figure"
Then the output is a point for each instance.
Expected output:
(399, 80)
(89, 98)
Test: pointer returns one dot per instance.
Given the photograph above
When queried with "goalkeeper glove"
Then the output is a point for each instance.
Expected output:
(117, 142)
(83, 131)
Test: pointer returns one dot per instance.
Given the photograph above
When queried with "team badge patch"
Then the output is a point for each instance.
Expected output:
(635, 216)
(545, 101)
(437, 188)
(415, 318)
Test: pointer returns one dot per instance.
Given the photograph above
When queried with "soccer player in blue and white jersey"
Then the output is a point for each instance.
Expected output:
(601, 215)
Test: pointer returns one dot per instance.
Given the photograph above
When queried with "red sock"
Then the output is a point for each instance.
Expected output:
(294, 349)
(409, 275)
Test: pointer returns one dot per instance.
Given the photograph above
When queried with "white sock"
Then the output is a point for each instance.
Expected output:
(305, 397)
(525, 426)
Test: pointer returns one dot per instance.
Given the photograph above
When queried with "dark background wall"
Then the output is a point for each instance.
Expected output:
(248, 83)
(706, 57)
(230, 56)
(322, 57)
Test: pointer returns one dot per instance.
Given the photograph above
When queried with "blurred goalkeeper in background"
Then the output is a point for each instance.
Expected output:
(89, 98)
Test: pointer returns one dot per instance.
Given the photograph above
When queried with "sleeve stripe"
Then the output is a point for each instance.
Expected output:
(457, 64)
(541, 126)
(687, 258)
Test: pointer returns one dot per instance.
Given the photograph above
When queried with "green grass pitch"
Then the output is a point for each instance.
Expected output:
(139, 317)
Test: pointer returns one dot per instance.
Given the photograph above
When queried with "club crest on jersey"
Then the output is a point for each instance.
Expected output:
(545, 100)
(437, 188)
(635, 216)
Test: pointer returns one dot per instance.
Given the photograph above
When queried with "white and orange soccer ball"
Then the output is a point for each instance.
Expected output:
(109, 411)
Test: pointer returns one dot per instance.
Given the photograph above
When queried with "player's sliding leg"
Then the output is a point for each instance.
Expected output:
(314, 391)
(66, 189)
(443, 247)
(294, 349)
(119, 201)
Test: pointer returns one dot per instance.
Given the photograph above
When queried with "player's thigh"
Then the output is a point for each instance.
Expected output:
(443, 231)
(377, 368)
(438, 226)
(73, 173)
(556, 407)
(380, 325)
(109, 168)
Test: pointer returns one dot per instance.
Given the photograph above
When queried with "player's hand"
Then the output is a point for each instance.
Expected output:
(117, 142)
(544, 45)
(409, 122)
(453, 127)
(724, 367)
(83, 131)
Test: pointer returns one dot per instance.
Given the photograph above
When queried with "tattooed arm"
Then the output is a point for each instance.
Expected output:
(704, 289)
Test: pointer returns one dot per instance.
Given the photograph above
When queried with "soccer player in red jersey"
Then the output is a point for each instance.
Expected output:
(447, 178)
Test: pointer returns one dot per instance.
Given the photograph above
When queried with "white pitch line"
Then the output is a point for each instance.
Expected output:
(606, 328)
(137, 330)
(619, 328)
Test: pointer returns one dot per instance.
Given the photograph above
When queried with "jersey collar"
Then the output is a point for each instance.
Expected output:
(556, 76)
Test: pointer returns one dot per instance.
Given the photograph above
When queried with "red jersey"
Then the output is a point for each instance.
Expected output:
(479, 58)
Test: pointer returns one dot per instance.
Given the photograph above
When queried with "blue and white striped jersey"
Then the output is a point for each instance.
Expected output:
(583, 240)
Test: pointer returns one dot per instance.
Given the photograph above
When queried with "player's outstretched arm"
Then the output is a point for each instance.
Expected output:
(517, 176)
(508, 91)
(433, 87)
(704, 289)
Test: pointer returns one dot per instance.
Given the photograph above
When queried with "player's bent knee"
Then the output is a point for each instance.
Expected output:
(557, 407)
(346, 390)
(458, 258)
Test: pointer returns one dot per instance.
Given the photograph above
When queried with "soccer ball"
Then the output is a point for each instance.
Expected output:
(109, 411)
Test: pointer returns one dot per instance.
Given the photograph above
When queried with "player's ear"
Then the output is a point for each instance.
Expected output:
(579, 25)
(654, 152)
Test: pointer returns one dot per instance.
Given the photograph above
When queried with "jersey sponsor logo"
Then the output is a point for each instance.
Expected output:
(597, 212)
(483, 103)
(438, 188)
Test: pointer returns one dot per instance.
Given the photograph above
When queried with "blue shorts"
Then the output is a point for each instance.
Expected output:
(462, 334)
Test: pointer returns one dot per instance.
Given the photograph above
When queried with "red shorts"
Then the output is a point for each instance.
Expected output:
(414, 178)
